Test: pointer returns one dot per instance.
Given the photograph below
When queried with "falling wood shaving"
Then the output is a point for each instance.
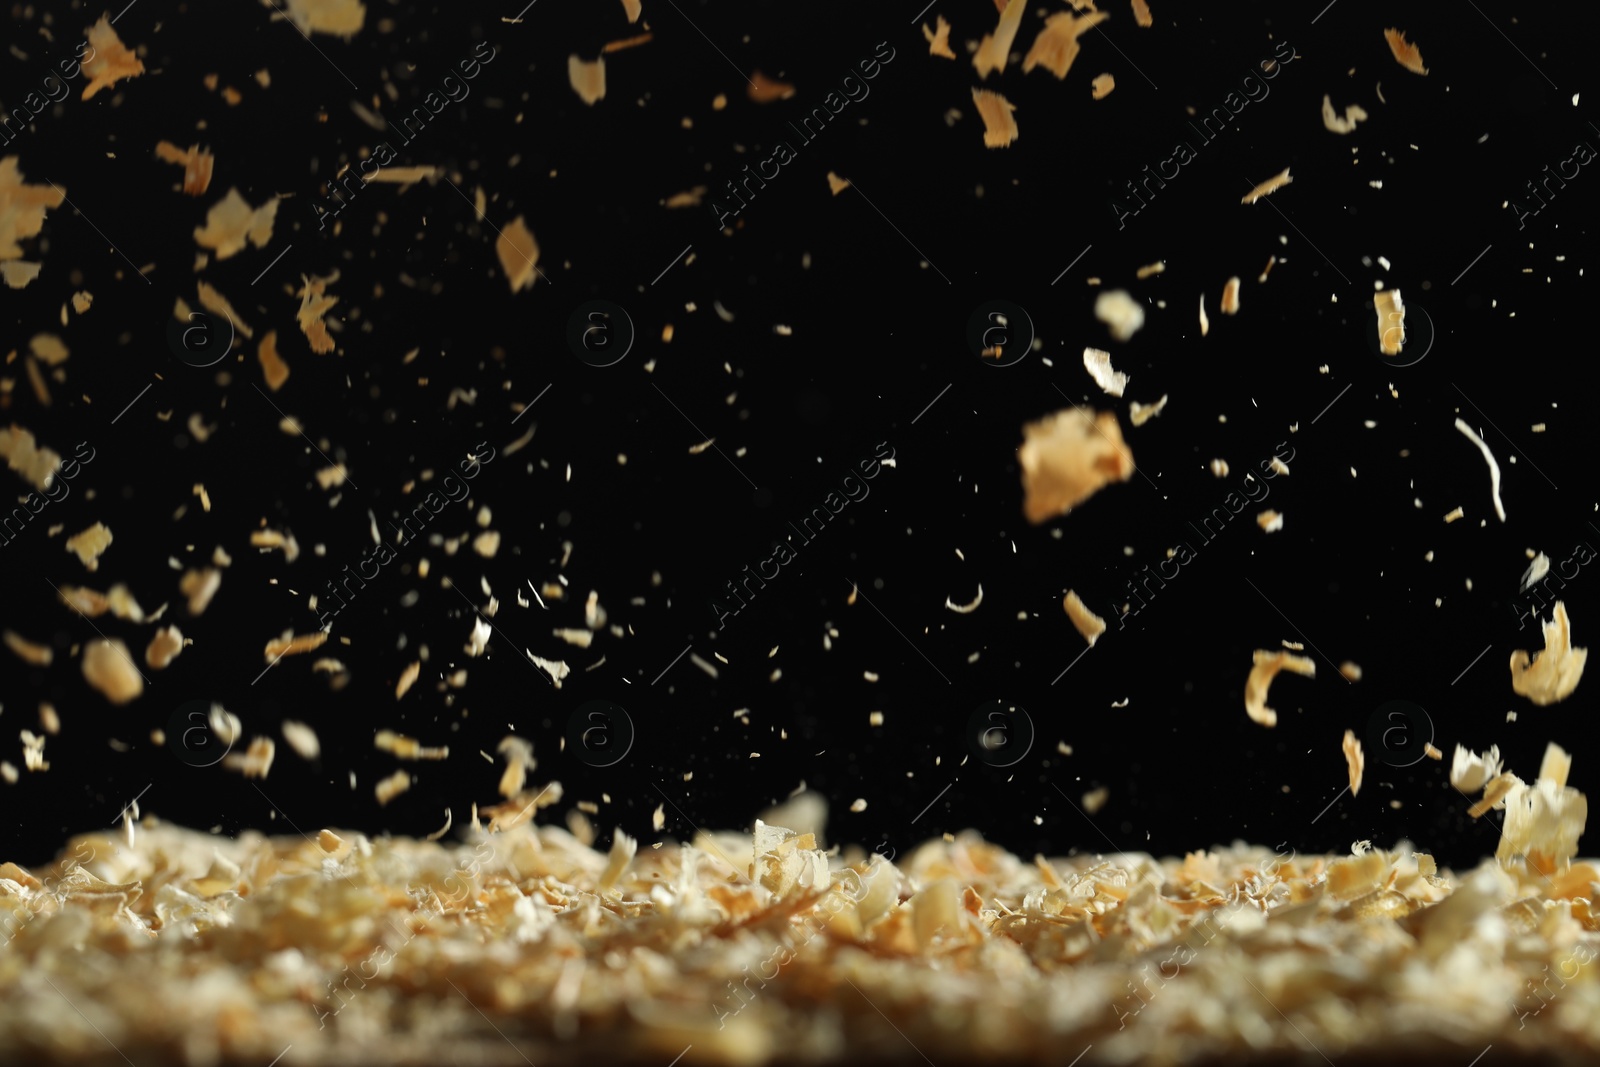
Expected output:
(633, 8)
(231, 223)
(519, 254)
(1405, 53)
(1139, 414)
(995, 48)
(588, 79)
(1270, 521)
(293, 646)
(1069, 456)
(1086, 622)
(1391, 321)
(1205, 323)
(837, 184)
(112, 62)
(1549, 676)
(627, 42)
(1121, 313)
(197, 165)
(109, 668)
(1494, 468)
(765, 90)
(408, 678)
(1141, 13)
(90, 544)
(1355, 760)
(1057, 44)
(1352, 115)
(315, 303)
(938, 40)
(392, 786)
(1098, 364)
(966, 609)
(1266, 666)
(999, 128)
(1102, 86)
(1277, 181)
(1230, 296)
(274, 371)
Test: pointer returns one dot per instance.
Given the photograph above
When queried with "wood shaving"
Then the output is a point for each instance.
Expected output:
(1057, 44)
(1405, 53)
(340, 18)
(408, 678)
(391, 787)
(633, 9)
(1455, 514)
(48, 347)
(35, 465)
(1121, 313)
(113, 61)
(1355, 760)
(995, 48)
(1141, 13)
(232, 223)
(1102, 86)
(968, 608)
(90, 544)
(164, 647)
(1330, 118)
(519, 764)
(314, 304)
(200, 586)
(581, 638)
(1266, 665)
(274, 539)
(197, 166)
(1272, 184)
(27, 651)
(518, 253)
(255, 761)
(556, 669)
(939, 39)
(1494, 468)
(1270, 521)
(1495, 792)
(407, 748)
(1096, 799)
(303, 739)
(1149, 269)
(1086, 622)
(1098, 364)
(1139, 414)
(1230, 296)
(837, 184)
(1391, 321)
(407, 175)
(999, 128)
(1549, 676)
(1350, 670)
(765, 90)
(1205, 323)
(478, 640)
(1469, 772)
(295, 645)
(587, 79)
(109, 668)
(1069, 456)
(1219, 468)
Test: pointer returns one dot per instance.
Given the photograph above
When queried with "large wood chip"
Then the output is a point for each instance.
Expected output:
(1068, 457)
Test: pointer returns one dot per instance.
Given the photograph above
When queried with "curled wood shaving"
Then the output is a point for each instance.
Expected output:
(1405, 53)
(1549, 676)
(1355, 760)
(966, 609)
(1086, 622)
(1494, 468)
(294, 646)
(1266, 665)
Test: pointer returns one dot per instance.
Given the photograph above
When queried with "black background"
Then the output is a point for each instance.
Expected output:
(877, 285)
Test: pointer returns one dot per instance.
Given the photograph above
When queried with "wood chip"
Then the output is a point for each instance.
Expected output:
(1405, 53)
(1230, 296)
(232, 223)
(1266, 665)
(995, 48)
(1205, 323)
(27, 651)
(1086, 622)
(1057, 44)
(164, 647)
(1141, 13)
(938, 39)
(837, 184)
(112, 60)
(1098, 364)
(407, 748)
(35, 465)
(1272, 184)
(109, 668)
(90, 544)
(1355, 760)
(255, 761)
(1270, 521)
(765, 90)
(1139, 414)
(392, 786)
(200, 586)
(303, 739)
(1549, 676)
(314, 304)
(1391, 321)
(197, 166)
(518, 253)
(999, 128)
(1069, 456)
(1102, 86)
(1121, 313)
(587, 79)
(294, 646)
(1331, 119)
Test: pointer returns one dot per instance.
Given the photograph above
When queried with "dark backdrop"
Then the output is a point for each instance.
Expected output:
(875, 287)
